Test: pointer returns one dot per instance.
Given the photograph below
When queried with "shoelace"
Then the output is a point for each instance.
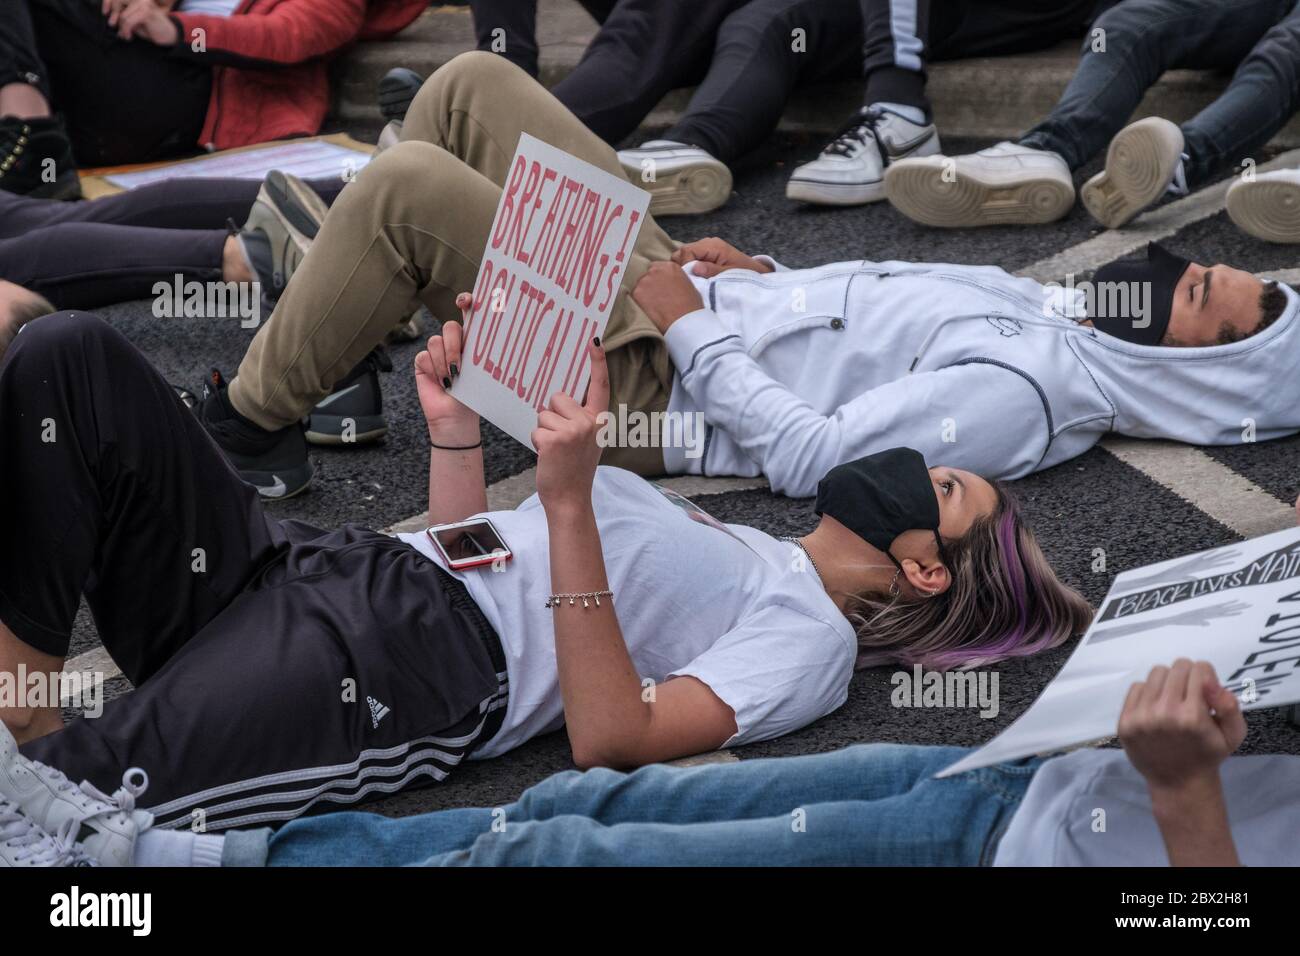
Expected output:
(134, 783)
(856, 133)
(34, 845)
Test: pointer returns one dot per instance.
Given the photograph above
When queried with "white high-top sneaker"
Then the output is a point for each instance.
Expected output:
(106, 827)
(850, 171)
(1143, 162)
(682, 179)
(1006, 184)
(23, 843)
(1267, 207)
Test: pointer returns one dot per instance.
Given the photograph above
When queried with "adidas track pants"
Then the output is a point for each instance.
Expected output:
(278, 668)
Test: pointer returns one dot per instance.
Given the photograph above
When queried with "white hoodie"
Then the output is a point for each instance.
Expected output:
(796, 371)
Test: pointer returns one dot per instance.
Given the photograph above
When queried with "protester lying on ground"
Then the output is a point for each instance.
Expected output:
(788, 372)
(1130, 47)
(279, 667)
(140, 80)
(1173, 795)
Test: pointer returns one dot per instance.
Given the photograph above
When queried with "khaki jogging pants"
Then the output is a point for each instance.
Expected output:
(412, 228)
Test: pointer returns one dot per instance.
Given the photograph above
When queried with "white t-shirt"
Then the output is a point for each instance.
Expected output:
(1057, 822)
(213, 8)
(726, 604)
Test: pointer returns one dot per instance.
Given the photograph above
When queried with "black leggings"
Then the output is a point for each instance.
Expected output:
(81, 255)
(123, 102)
(277, 667)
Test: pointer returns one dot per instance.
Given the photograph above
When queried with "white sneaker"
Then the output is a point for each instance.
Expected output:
(107, 827)
(1006, 184)
(23, 843)
(1268, 207)
(682, 180)
(850, 171)
(1142, 164)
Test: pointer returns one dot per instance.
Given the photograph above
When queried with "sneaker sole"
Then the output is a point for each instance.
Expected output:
(1266, 209)
(397, 89)
(328, 429)
(279, 485)
(834, 194)
(686, 189)
(301, 214)
(921, 193)
(1140, 164)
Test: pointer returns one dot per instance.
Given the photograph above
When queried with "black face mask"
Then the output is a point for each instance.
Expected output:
(881, 496)
(1159, 274)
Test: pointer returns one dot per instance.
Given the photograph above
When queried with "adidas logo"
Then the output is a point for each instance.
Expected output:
(378, 711)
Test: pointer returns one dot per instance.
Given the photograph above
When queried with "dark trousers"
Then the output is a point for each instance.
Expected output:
(509, 28)
(1259, 39)
(81, 255)
(122, 102)
(900, 36)
(277, 667)
(764, 49)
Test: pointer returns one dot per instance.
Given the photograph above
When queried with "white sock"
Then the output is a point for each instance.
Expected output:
(913, 113)
(178, 848)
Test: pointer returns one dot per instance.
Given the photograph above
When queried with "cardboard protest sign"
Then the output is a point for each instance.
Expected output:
(1237, 607)
(555, 258)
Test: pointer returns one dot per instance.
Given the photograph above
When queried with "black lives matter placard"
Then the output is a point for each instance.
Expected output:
(556, 255)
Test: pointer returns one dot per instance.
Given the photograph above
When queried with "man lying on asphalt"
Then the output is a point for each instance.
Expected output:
(792, 371)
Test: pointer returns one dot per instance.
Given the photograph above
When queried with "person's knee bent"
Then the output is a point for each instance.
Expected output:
(475, 69)
(56, 333)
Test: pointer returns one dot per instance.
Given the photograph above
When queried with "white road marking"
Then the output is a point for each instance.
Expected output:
(1206, 484)
(1152, 226)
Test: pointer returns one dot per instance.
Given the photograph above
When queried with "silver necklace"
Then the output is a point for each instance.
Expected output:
(800, 545)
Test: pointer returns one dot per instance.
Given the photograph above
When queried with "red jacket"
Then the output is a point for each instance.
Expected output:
(270, 61)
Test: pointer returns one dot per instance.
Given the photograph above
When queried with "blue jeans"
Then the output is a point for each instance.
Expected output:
(873, 805)
(1259, 39)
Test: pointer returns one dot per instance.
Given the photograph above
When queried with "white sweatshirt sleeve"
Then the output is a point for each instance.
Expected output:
(978, 416)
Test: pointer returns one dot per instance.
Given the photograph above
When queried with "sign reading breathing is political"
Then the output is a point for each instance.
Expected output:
(1237, 607)
(557, 253)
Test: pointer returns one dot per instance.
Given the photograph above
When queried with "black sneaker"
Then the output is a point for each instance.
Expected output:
(396, 90)
(353, 414)
(26, 146)
(275, 463)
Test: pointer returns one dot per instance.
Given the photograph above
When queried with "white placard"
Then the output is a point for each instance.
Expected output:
(307, 159)
(550, 275)
(1237, 607)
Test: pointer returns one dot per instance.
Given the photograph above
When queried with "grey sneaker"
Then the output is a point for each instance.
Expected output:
(1143, 163)
(23, 843)
(281, 227)
(106, 827)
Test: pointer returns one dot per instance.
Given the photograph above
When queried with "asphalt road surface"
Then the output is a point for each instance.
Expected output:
(1093, 501)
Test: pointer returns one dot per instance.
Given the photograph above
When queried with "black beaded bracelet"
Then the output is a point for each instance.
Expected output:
(477, 444)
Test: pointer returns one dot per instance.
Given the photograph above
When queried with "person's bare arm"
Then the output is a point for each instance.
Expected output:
(456, 485)
(610, 719)
(1177, 727)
